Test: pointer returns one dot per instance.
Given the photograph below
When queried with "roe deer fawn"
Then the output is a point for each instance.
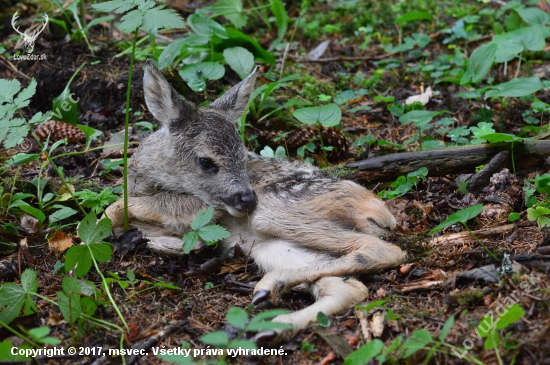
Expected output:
(301, 227)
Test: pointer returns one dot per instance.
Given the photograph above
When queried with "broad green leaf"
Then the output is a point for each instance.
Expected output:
(237, 317)
(117, 6)
(13, 297)
(420, 117)
(446, 328)
(516, 88)
(69, 305)
(482, 129)
(37, 213)
(328, 115)
(90, 133)
(412, 16)
(240, 60)
(89, 232)
(512, 314)
(189, 241)
(281, 19)
(196, 74)
(62, 213)
(542, 183)
(204, 26)
(267, 152)
(267, 326)
(80, 255)
(272, 313)
(243, 344)
(371, 305)
(202, 219)
(512, 43)
(462, 216)
(514, 216)
(8, 88)
(418, 341)
(239, 39)
(500, 137)
(6, 352)
(365, 353)
(479, 64)
(534, 16)
(224, 7)
(13, 132)
(171, 51)
(323, 320)
(213, 233)
(218, 339)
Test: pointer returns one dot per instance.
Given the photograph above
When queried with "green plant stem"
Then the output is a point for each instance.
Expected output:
(497, 352)
(74, 153)
(107, 291)
(127, 50)
(126, 119)
(480, 243)
(321, 141)
(518, 68)
(18, 334)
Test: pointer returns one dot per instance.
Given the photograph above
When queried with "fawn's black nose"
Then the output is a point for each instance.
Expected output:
(244, 202)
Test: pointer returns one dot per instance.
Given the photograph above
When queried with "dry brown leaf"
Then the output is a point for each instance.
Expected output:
(30, 224)
(60, 241)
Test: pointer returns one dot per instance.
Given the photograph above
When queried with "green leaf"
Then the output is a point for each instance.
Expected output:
(218, 339)
(482, 129)
(446, 328)
(202, 219)
(365, 353)
(371, 305)
(281, 20)
(272, 313)
(117, 6)
(514, 216)
(512, 314)
(267, 152)
(243, 344)
(80, 255)
(195, 75)
(213, 233)
(239, 39)
(36, 213)
(8, 88)
(412, 16)
(516, 88)
(267, 326)
(204, 26)
(13, 132)
(224, 7)
(90, 133)
(189, 241)
(323, 320)
(14, 297)
(418, 341)
(158, 17)
(328, 115)
(240, 60)
(131, 21)
(461, 216)
(534, 16)
(69, 305)
(500, 137)
(420, 117)
(479, 64)
(237, 317)
(89, 232)
(62, 213)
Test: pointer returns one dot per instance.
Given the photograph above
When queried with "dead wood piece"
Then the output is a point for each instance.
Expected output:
(545, 250)
(438, 162)
(540, 262)
(365, 328)
(337, 343)
(420, 285)
(462, 237)
(481, 179)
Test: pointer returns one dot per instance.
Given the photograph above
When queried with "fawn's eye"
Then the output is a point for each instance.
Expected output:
(208, 165)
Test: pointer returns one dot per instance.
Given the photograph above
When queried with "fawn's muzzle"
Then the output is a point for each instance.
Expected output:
(242, 202)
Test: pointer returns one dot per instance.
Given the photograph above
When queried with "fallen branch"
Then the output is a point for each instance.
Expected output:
(439, 162)
(419, 285)
(461, 237)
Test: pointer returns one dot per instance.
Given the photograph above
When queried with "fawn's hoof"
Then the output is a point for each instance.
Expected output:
(261, 297)
(265, 337)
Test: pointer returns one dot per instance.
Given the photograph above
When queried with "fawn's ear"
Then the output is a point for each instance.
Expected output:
(235, 101)
(162, 100)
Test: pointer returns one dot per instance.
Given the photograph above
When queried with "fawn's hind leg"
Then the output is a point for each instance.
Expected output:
(370, 254)
(333, 295)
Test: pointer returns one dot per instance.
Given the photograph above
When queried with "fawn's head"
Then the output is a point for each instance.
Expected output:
(203, 143)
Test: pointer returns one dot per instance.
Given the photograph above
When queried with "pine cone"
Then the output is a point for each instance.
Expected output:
(58, 131)
(301, 137)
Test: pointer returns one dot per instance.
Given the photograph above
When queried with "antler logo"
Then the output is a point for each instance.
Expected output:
(29, 39)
